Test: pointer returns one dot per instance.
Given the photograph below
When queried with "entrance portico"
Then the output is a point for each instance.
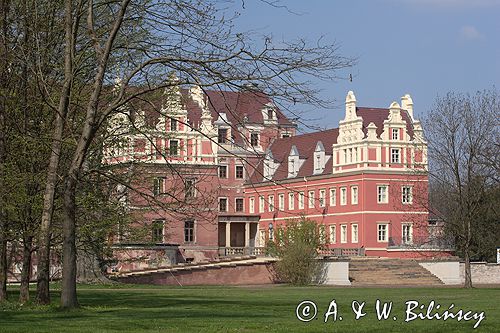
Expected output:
(238, 234)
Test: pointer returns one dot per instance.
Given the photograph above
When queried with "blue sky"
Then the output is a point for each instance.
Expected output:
(421, 47)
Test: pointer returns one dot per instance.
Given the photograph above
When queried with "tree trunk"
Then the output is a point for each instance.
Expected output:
(68, 293)
(24, 291)
(4, 9)
(3, 265)
(467, 271)
(43, 296)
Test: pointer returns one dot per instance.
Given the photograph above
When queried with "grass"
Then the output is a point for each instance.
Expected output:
(135, 308)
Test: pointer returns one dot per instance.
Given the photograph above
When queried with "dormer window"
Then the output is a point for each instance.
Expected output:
(173, 124)
(293, 162)
(222, 137)
(395, 134)
(270, 114)
(270, 165)
(319, 158)
(254, 139)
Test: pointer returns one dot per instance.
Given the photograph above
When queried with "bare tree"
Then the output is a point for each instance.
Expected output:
(463, 131)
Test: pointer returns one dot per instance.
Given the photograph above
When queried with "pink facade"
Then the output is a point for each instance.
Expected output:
(220, 168)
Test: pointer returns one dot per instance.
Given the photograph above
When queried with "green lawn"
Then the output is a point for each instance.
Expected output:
(133, 308)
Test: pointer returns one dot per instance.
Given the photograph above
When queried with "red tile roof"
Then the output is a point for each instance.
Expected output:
(378, 115)
(306, 144)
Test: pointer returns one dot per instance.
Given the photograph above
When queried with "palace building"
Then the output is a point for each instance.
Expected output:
(220, 171)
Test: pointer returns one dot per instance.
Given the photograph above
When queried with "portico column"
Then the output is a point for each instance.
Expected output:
(228, 234)
(247, 234)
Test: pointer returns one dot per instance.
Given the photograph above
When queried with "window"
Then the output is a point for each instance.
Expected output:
(291, 201)
(222, 204)
(382, 232)
(343, 233)
(333, 197)
(350, 155)
(322, 234)
(174, 147)
(354, 233)
(239, 171)
(395, 158)
(270, 201)
(333, 234)
(407, 236)
(343, 196)
(189, 188)
(301, 200)
(281, 202)
(173, 124)
(311, 199)
(222, 135)
(189, 231)
(254, 139)
(261, 204)
(159, 185)
(406, 195)
(222, 171)
(262, 238)
(251, 204)
(382, 194)
(270, 114)
(157, 231)
(239, 204)
(395, 133)
(354, 195)
(322, 196)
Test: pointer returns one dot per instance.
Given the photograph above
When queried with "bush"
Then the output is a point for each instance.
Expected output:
(296, 245)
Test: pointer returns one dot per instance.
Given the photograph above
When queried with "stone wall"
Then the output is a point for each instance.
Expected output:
(482, 273)
(257, 273)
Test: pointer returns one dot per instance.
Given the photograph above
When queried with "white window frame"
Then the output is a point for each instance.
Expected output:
(235, 172)
(281, 201)
(354, 233)
(386, 232)
(262, 204)
(407, 198)
(322, 233)
(227, 171)
(251, 205)
(333, 233)
(343, 233)
(354, 195)
(333, 196)
(270, 202)
(227, 204)
(322, 197)
(301, 200)
(395, 134)
(395, 155)
(406, 237)
(310, 199)
(235, 205)
(343, 196)
(262, 238)
(382, 196)
(291, 201)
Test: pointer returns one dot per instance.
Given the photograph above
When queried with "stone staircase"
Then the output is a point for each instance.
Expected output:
(400, 272)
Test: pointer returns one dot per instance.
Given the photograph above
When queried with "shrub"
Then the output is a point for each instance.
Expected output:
(296, 245)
